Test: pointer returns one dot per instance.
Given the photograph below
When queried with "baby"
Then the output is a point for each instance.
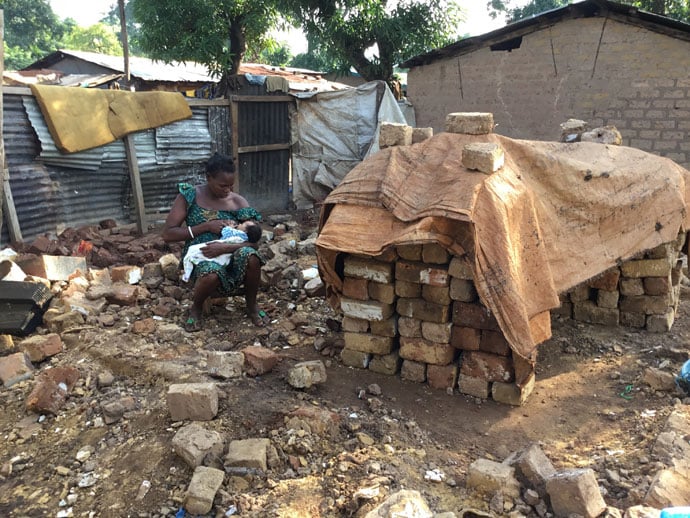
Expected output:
(247, 231)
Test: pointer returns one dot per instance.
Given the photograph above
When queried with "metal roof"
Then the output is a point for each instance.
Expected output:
(585, 9)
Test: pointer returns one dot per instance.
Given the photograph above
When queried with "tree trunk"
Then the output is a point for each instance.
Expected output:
(238, 45)
(125, 42)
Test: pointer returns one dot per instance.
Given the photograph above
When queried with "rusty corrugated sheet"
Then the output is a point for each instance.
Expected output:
(21, 142)
(264, 179)
(184, 141)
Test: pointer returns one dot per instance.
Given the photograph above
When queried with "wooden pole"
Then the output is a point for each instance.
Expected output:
(7, 205)
(234, 128)
(125, 42)
(135, 179)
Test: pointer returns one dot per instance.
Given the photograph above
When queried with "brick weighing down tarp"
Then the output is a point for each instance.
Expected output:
(554, 216)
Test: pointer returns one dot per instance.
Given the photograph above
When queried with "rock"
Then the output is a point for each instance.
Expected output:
(604, 135)
(225, 365)
(306, 374)
(124, 294)
(112, 412)
(533, 468)
(572, 130)
(487, 477)
(127, 274)
(170, 266)
(193, 401)
(407, 503)
(63, 322)
(15, 368)
(40, 347)
(258, 360)
(315, 288)
(198, 446)
(659, 380)
(575, 491)
(51, 390)
(248, 453)
(6, 345)
(641, 511)
(669, 488)
(202, 490)
(105, 379)
(145, 326)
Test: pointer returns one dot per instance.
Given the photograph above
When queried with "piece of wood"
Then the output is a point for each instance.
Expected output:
(234, 128)
(261, 98)
(135, 178)
(262, 147)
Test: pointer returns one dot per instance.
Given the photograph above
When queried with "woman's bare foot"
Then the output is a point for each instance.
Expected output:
(258, 318)
(194, 320)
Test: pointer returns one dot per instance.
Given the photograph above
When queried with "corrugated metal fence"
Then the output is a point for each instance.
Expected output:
(53, 191)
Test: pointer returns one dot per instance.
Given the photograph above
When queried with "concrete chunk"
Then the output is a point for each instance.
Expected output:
(471, 123)
(193, 401)
(306, 374)
(366, 310)
(202, 490)
(248, 453)
(369, 269)
(483, 156)
(15, 368)
(394, 134)
(225, 364)
(195, 444)
(575, 491)
(488, 477)
(533, 468)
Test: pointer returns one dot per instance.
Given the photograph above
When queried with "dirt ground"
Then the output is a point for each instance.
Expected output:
(589, 409)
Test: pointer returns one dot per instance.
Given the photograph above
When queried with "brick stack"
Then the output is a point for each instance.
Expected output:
(642, 293)
(416, 311)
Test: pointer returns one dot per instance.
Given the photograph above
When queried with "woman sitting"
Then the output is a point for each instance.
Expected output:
(198, 215)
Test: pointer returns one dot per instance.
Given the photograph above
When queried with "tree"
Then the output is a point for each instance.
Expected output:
(371, 35)
(212, 32)
(133, 29)
(678, 9)
(97, 38)
(32, 30)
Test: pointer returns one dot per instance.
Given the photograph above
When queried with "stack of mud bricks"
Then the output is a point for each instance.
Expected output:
(642, 292)
(416, 311)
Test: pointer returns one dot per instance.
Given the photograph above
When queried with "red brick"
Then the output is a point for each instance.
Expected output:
(357, 289)
(420, 350)
(410, 252)
(52, 267)
(193, 401)
(124, 294)
(40, 347)
(15, 368)
(423, 310)
(51, 390)
(382, 292)
(385, 327)
(409, 290)
(355, 325)
(42, 245)
(473, 315)
(487, 366)
(442, 376)
(436, 294)
(258, 360)
(422, 273)
(495, 343)
(435, 254)
(368, 343)
(413, 371)
(466, 338)
(127, 274)
(410, 327)
(657, 285)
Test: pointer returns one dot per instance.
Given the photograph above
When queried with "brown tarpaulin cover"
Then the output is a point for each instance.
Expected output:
(84, 118)
(554, 216)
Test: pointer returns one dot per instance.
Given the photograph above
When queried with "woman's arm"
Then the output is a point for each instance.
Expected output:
(174, 230)
(214, 249)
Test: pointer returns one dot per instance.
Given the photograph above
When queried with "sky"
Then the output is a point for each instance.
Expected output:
(89, 12)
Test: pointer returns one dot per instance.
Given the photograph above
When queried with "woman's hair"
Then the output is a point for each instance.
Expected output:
(219, 164)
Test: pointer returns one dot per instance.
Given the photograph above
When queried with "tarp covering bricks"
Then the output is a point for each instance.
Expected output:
(553, 216)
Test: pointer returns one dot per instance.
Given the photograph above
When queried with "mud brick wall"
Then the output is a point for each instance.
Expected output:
(642, 293)
(416, 312)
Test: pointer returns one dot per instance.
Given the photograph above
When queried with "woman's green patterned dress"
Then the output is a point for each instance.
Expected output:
(231, 276)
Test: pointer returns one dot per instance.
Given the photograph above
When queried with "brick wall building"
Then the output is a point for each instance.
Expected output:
(598, 61)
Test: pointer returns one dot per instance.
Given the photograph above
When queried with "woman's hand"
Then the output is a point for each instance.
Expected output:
(216, 225)
(212, 250)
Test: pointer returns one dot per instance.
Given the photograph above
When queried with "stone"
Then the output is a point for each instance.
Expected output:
(588, 311)
(407, 503)
(607, 299)
(40, 347)
(575, 491)
(485, 157)
(356, 359)
(15, 368)
(247, 453)
(105, 379)
(487, 477)
(438, 333)
(442, 376)
(368, 269)
(533, 468)
(387, 328)
(197, 445)
(647, 268)
(368, 343)
(476, 387)
(669, 488)
(52, 267)
(436, 294)
(657, 285)
(631, 287)
(607, 281)
(460, 267)
(51, 390)
(144, 326)
(659, 380)
(510, 393)
(112, 412)
(225, 364)
(604, 135)
(382, 292)
(433, 253)
(410, 252)
(127, 274)
(202, 490)
(63, 322)
(423, 310)
(366, 310)
(646, 304)
(638, 320)
(394, 134)
(123, 294)
(357, 289)
(462, 290)
(410, 327)
(355, 325)
(409, 290)
(170, 266)
(572, 129)
(192, 401)
(421, 134)
(660, 323)
(471, 123)
(413, 371)
(465, 338)
(473, 315)
(388, 364)
(641, 511)
(490, 367)
(315, 288)
(6, 345)
(307, 374)
(420, 350)
(258, 360)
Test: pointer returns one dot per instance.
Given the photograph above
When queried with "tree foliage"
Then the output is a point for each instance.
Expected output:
(96, 38)
(677, 9)
(346, 30)
(212, 32)
(112, 19)
(32, 30)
